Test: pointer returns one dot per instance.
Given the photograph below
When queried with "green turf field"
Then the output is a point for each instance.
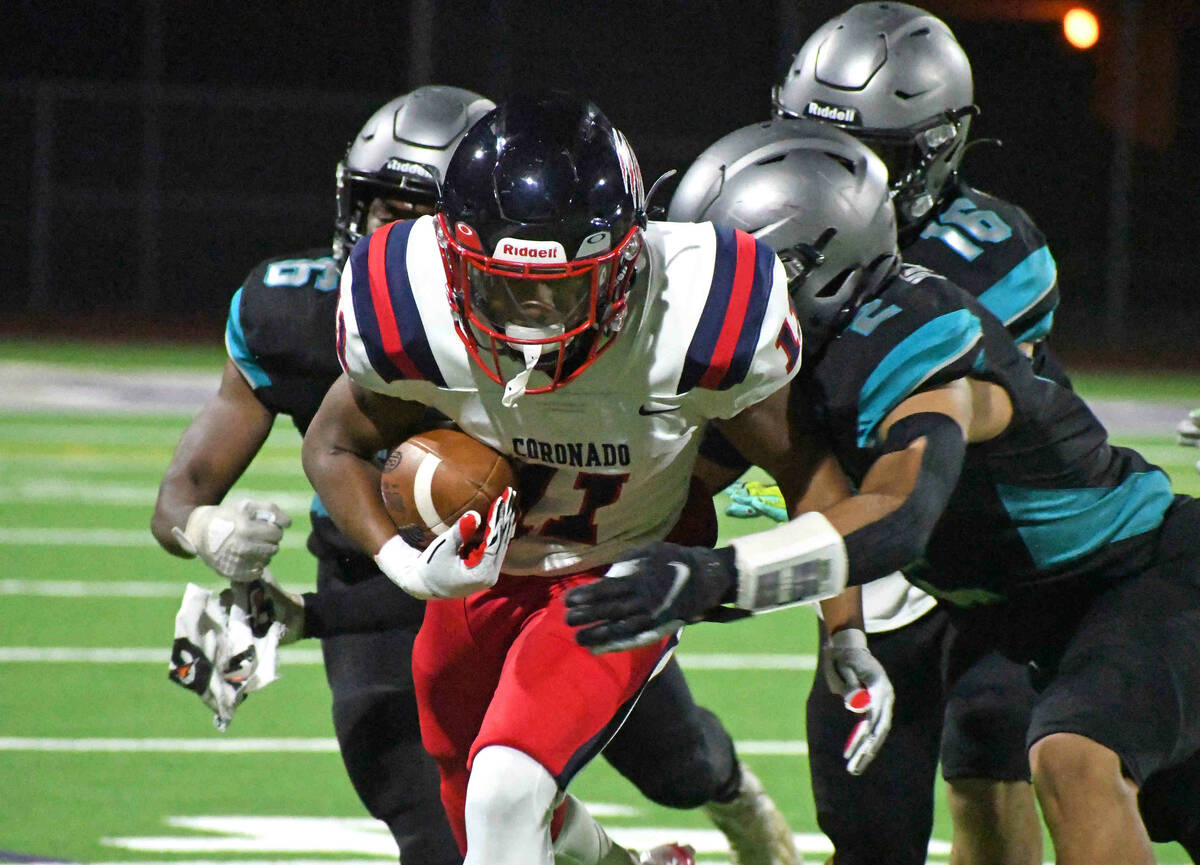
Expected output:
(102, 759)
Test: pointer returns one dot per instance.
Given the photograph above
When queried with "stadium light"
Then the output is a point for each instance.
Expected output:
(1081, 28)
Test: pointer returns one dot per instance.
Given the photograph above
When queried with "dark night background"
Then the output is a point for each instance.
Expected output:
(155, 151)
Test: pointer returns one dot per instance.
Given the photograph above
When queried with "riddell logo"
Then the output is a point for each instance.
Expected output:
(530, 251)
(399, 166)
(836, 113)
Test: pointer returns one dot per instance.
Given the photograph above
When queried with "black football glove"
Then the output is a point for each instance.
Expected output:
(657, 590)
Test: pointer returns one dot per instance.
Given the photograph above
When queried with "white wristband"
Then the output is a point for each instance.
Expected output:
(400, 563)
(801, 561)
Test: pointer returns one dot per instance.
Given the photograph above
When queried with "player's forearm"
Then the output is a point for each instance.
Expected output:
(348, 485)
(887, 525)
(213, 452)
(171, 510)
(352, 425)
(843, 611)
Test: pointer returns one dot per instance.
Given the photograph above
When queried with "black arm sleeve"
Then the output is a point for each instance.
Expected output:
(890, 543)
(374, 604)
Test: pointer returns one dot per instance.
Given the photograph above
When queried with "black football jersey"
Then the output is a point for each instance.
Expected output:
(281, 334)
(1047, 501)
(992, 250)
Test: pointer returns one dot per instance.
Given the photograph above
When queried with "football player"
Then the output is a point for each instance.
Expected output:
(943, 448)
(985, 704)
(588, 346)
(913, 104)
(677, 753)
(281, 361)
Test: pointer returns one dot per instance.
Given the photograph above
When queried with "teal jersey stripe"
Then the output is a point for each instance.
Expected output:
(1022, 287)
(1059, 526)
(239, 352)
(1040, 329)
(931, 347)
(317, 508)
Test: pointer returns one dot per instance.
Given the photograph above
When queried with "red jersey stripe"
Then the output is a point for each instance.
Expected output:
(735, 313)
(381, 300)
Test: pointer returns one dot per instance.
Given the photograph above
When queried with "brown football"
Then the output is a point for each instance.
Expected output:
(434, 477)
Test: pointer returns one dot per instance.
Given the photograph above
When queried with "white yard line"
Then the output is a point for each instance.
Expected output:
(710, 661)
(283, 745)
(49, 489)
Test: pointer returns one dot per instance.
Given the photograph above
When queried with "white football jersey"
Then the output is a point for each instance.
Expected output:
(604, 462)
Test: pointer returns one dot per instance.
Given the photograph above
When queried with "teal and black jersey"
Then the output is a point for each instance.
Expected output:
(992, 250)
(281, 333)
(1046, 501)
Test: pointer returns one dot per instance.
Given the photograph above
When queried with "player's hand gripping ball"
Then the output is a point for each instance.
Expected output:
(434, 477)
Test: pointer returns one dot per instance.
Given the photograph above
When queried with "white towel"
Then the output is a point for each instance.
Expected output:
(225, 646)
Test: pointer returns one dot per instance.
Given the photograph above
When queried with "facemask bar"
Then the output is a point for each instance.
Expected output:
(557, 353)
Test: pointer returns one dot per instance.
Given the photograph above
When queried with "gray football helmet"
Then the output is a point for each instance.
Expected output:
(815, 195)
(895, 77)
(402, 153)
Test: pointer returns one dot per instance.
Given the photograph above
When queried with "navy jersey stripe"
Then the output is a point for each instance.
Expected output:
(414, 341)
(718, 363)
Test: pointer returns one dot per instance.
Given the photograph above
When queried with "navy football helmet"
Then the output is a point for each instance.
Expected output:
(540, 228)
(401, 155)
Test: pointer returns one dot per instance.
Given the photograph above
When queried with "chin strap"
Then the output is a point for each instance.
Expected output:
(514, 388)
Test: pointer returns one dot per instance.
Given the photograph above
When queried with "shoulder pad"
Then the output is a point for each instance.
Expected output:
(726, 335)
(378, 295)
(911, 337)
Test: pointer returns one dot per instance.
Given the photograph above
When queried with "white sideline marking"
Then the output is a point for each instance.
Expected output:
(58, 489)
(294, 655)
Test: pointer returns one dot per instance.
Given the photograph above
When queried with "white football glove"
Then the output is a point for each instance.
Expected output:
(445, 569)
(236, 540)
(853, 673)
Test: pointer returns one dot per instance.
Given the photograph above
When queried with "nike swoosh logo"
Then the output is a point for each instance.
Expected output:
(682, 572)
(646, 412)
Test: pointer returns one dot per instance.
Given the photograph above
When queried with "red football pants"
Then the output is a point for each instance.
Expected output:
(502, 667)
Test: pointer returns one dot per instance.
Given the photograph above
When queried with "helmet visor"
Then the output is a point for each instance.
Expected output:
(539, 300)
(909, 151)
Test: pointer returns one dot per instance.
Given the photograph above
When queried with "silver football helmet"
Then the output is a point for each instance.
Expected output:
(401, 153)
(815, 195)
(895, 77)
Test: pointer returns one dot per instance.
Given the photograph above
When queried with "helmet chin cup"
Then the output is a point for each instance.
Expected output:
(522, 334)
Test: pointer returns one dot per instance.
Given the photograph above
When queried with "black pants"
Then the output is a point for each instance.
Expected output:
(954, 701)
(375, 719)
(676, 753)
